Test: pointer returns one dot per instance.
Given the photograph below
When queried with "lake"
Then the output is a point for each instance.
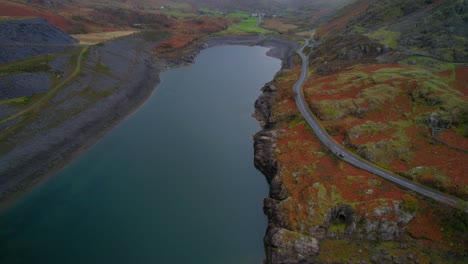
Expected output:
(173, 183)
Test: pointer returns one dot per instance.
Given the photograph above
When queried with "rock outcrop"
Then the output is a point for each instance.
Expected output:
(281, 244)
(288, 247)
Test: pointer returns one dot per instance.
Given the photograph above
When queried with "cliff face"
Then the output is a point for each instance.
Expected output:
(264, 140)
(281, 245)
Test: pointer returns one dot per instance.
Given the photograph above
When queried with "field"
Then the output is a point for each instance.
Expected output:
(240, 15)
(279, 25)
(94, 38)
(245, 27)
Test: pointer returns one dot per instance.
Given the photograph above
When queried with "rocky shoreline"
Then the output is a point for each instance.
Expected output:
(281, 244)
(279, 248)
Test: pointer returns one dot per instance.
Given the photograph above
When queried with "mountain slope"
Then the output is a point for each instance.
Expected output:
(388, 81)
(435, 28)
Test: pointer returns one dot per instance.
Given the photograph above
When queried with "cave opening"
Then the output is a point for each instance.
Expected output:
(341, 219)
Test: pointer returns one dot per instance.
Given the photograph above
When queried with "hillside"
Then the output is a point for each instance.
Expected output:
(37, 34)
(419, 80)
(435, 28)
(35, 31)
(388, 81)
(77, 17)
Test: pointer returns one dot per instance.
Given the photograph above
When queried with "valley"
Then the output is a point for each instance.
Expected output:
(384, 82)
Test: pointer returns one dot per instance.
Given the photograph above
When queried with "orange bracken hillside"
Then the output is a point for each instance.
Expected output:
(186, 32)
(381, 112)
(19, 10)
(317, 181)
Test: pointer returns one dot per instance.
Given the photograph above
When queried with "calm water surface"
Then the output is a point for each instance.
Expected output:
(174, 183)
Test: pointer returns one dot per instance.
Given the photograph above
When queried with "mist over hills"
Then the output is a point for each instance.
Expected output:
(221, 4)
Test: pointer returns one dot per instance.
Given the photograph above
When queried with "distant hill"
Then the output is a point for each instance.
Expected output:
(429, 27)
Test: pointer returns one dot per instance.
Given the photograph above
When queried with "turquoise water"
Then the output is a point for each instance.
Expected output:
(174, 183)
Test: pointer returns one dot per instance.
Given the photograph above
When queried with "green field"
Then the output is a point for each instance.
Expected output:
(238, 15)
(245, 27)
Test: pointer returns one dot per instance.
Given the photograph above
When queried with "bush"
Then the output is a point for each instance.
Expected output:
(410, 203)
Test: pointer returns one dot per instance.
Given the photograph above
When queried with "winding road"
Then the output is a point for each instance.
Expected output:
(352, 158)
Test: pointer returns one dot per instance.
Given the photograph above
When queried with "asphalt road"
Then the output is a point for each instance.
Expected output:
(351, 158)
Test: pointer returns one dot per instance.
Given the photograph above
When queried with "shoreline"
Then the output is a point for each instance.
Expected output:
(72, 137)
(61, 145)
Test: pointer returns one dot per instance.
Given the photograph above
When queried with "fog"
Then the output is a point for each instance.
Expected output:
(266, 4)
